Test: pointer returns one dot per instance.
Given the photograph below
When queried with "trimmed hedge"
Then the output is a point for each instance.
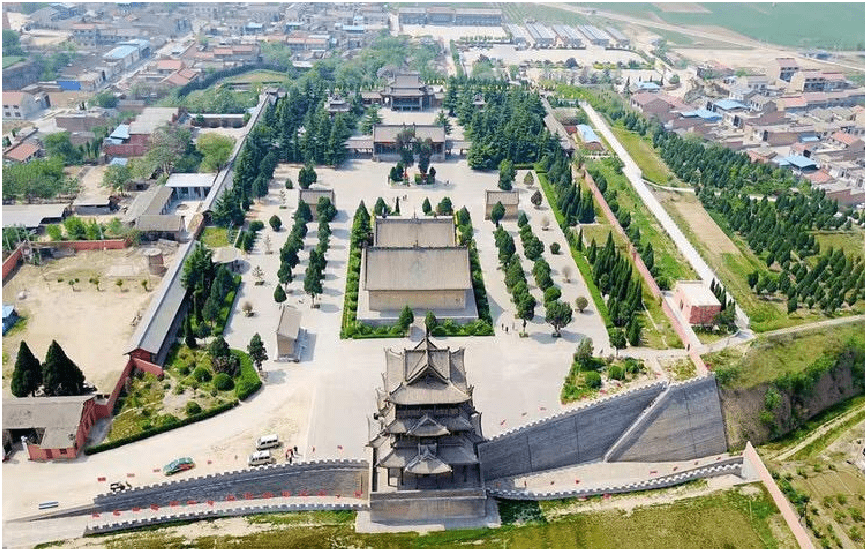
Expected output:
(225, 309)
(159, 430)
(248, 382)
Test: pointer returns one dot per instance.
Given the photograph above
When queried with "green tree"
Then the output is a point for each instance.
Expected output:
(307, 176)
(558, 315)
(60, 375)
(443, 121)
(431, 321)
(279, 294)
(218, 348)
(426, 207)
(11, 43)
(188, 334)
(617, 339)
(210, 310)
(445, 207)
(116, 177)
(581, 303)
(275, 222)
(536, 198)
(256, 350)
(59, 145)
(215, 150)
(28, 373)
(634, 331)
(526, 308)
(792, 304)
(585, 351)
(497, 213)
(312, 285)
(528, 179)
(105, 99)
(406, 318)
(507, 173)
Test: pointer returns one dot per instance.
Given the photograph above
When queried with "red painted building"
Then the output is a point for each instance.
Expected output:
(55, 427)
(698, 304)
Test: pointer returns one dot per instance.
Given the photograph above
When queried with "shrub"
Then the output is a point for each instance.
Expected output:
(555, 248)
(551, 294)
(202, 331)
(616, 372)
(192, 408)
(592, 379)
(201, 374)
(223, 381)
(183, 370)
(256, 226)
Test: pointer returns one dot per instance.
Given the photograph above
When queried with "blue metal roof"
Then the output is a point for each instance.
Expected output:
(120, 52)
(809, 139)
(728, 104)
(798, 161)
(8, 310)
(648, 85)
(119, 161)
(704, 114)
(121, 132)
(587, 133)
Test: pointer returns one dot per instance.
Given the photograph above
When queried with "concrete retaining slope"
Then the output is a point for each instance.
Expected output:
(579, 435)
(329, 477)
(685, 422)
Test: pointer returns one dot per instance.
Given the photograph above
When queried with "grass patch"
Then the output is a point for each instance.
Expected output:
(853, 241)
(770, 357)
(140, 409)
(798, 435)
(258, 76)
(725, 519)
(10, 60)
(641, 150)
(214, 236)
(683, 369)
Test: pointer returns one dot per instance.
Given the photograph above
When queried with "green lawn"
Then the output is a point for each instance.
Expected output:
(259, 75)
(214, 236)
(770, 357)
(738, 518)
(10, 60)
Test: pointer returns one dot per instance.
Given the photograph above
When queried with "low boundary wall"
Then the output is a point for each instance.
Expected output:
(84, 245)
(730, 466)
(321, 478)
(222, 512)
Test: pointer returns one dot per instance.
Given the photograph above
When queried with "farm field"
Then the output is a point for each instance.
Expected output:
(769, 357)
(738, 517)
(733, 260)
(806, 24)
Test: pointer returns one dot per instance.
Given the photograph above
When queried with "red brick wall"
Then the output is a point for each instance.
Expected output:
(89, 414)
(90, 245)
(10, 263)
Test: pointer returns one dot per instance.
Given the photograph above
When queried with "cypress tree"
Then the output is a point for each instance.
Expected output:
(60, 375)
(28, 373)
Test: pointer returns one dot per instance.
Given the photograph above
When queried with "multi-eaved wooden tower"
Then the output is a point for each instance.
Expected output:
(424, 438)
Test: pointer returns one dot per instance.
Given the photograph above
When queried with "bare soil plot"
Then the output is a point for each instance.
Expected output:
(93, 327)
(700, 222)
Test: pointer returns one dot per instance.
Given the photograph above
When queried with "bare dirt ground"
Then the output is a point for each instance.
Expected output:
(92, 326)
(701, 223)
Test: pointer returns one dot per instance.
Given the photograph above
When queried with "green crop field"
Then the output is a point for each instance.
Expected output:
(10, 60)
(770, 357)
(806, 25)
(742, 517)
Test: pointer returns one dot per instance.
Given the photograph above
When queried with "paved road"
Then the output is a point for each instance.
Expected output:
(632, 171)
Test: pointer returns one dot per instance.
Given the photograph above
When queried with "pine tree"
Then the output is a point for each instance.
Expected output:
(256, 350)
(60, 375)
(279, 294)
(28, 373)
(188, 336)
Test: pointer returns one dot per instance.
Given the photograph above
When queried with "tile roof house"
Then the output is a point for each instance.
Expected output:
(20, 105)
(23, 153)
(56, 427)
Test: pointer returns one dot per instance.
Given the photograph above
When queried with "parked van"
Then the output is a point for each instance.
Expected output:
(267, 442)
(261, 457)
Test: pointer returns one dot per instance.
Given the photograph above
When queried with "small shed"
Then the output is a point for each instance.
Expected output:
(160, 226)
(509, 199)
(698, 304)
(10, 316)
(287, 334)
(311, 196)
(93, 204)
(228, 255)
